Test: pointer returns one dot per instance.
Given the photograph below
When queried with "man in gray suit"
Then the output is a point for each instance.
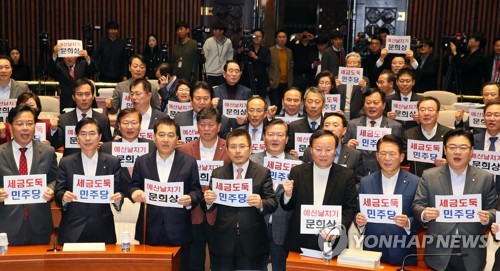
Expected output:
(137, 68)
(275, 138)
(9, 88)
(335, 54)
(28, 224)
(374, 108)
(456, 178)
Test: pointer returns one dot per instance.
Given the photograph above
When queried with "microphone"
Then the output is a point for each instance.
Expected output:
(431, 255)
(54, 247)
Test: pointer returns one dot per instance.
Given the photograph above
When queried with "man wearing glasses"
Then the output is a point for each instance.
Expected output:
(456, 178)
(428, 130)
(231, 89)
(405, 80)
(240, 234)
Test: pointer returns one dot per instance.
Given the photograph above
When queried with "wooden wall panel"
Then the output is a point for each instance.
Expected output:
(21, 21)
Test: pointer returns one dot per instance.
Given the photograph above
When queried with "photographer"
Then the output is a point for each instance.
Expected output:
(428, 68)
(470, 65)
(302, 46)
(255, 58)
(184, 53)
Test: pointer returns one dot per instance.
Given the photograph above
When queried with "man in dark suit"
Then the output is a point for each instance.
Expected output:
(492, 66)
(83, 95)
(129, 124)
(67, 71)
(87, 222)
(141, 95)
(292, 101)
(240, 235)
(275, 137)
(344, 155)
(256, 115)
(168, 85)
(351, 96)
(490, 93)
(166, 225)
(456, 178)
(336, 181)
(405, 80)
(314, 102)
(29, 224)
(428, 68)
(392, 180)
(231, 89)
(370, 60)
(209, 147)
(386, 82)
(201, 97)
(488, 139)
(428, 130)
(374, 109)
(334, 55)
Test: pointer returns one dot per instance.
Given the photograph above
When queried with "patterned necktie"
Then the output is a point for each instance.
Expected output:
(496, 72)
(23, 170)
(71, 72)
(372, 122)
(254, 134)
(84, 115)
(493, 139)
(405, 98)
(313, 125)
(239, 170)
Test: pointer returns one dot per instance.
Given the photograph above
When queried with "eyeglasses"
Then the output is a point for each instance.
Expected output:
(454, 148)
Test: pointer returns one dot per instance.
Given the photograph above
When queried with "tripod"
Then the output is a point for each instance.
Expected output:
(248, 64)
(453, 82)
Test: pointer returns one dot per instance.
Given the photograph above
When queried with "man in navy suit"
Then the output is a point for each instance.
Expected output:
(391, 180)
(87, 222)
(165, 225)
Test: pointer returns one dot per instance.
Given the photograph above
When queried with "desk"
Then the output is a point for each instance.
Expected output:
(140, 258)
(295, 262)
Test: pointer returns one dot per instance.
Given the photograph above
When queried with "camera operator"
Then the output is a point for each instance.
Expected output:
(428, 68)
(110, 56)
(256, 57)
(217, 50)
(184, 53)
(470, 65)
(302, 45)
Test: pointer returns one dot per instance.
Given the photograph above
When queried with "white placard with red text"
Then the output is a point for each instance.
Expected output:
(24, 189)
(332, 103)
(301, 142)
(126, 101)
(314, 218)
(5, 106)
(163, 194)
(147, 134)
(69, 48)
(487, 160)
(232, 193)
(205, 169)
(380, 208)
(94, 189)
(368, 137)
(404, 110)
(129, 152)
(175, 107)
(40, 131)
(189, 133)
(258, 146)
(459, 208)
(70, 140)
(280, 168)
(398, 44)
(234, 108)
(350, 76)
(476, 118)
(424, 151)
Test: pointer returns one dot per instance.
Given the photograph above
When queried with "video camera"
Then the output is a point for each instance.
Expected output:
(246, 40)
(128, 45)
(164, 52)
(362, 44)
(459, 39)
(44, 39)
(415, 44)
(199, 35)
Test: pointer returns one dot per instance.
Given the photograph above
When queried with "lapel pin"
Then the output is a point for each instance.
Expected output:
(104, 167)
(473, 180)
(404, 181)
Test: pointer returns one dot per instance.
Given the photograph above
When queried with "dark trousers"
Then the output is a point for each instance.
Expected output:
(26, 236)
(278, 252)
(456, 263)
(239, 261)
(162, 239)
(276, 95)
(202, 235)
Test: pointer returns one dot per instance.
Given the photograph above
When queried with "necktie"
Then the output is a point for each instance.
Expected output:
(372, 122)
(405, 98)
(254, 134)
(239, 170)
(313, 125)
(84, 115)
(493, 139)
(71, 72)
(274, 156)
(496, 72)
(23, 170)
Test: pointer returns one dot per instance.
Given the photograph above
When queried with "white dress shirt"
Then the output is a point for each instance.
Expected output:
(28, 154)
(89, 164)
(207, 154)
(164, 166)
(146, 119)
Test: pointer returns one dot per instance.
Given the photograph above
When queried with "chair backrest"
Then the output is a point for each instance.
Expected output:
(446, 98)
(447, 118)
(105, 92)
(50, 107)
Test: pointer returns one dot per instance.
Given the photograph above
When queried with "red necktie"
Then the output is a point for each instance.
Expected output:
(23, 170)
(71, 72)
(239, 170)
(372, 122)
(84, 115)
(496, 74)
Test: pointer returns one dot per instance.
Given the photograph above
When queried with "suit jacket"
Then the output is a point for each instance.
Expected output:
(340, 190)
(357, 98)
(369, 158)
(193, 149)
(437, 181)
(330, 60)
(156, 115)
(488, 68)
(76, 216)
(242, 93)
(59, 71)
(16, 89)
(274, 68)
(70, 119)
(470, 72)
(427, 74)
(280, 217)
(176, 222)
(168, 94)
(40, 216)
(299, 126)
(415, 97)
(250, 220)
(249, 130)
(479, 145)
(406, 185)
(124, 87)
(348, 157)
(186, 119)
(126, 178)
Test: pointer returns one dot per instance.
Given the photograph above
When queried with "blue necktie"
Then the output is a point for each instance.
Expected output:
(313, 125)
(492, 143)
(405, 98)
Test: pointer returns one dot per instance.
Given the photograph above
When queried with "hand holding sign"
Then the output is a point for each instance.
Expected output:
(209, 197)
(116, 198)
(3, 194)
(430, 213)
(361, 220)
(185, 200)
(139, 196)
(484, 216)
(401, 220)
(48, 194)
(255, 201)
(288, 186)
(69, 197)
